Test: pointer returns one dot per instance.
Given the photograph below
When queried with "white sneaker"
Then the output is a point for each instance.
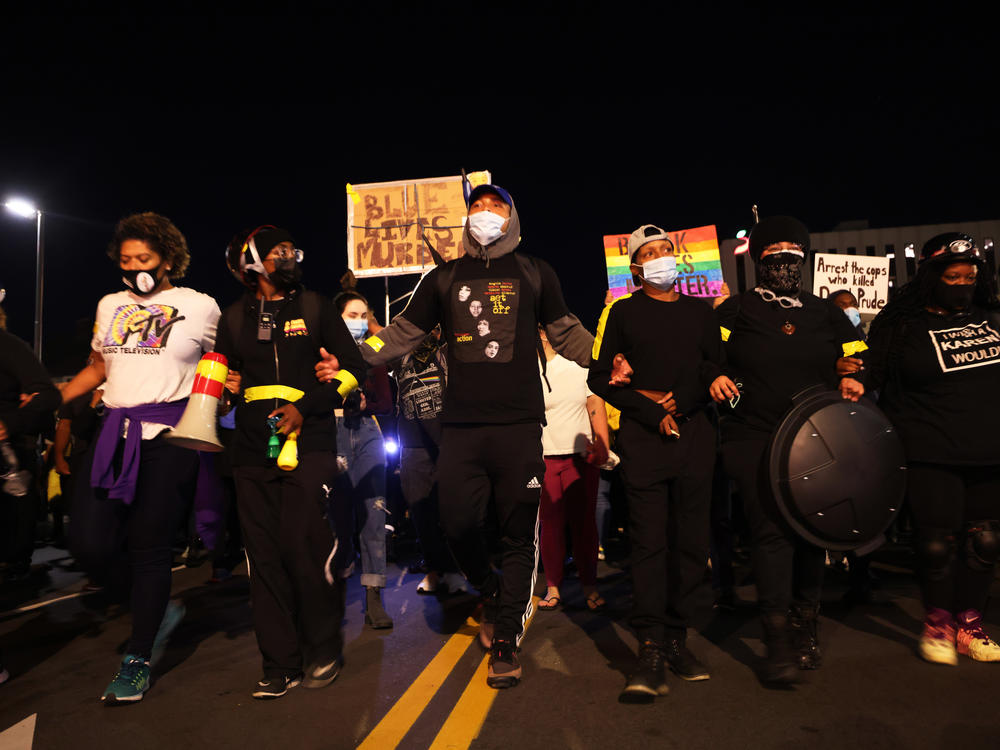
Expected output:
(455, 582)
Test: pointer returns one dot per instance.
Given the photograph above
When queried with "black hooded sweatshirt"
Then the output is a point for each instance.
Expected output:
(489, 314)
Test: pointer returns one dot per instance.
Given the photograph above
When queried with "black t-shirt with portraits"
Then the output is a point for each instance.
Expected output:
(489, 322)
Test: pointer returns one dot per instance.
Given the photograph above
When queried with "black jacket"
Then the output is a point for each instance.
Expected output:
(288, 359)
(21, 372)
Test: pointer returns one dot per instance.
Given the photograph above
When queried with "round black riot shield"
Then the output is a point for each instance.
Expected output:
(837, 470)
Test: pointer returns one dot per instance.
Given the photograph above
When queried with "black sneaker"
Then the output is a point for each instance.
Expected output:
(649, 678)
(725, 601)
(683, 663)
(505, 669)
(275, 687)
(321, 675)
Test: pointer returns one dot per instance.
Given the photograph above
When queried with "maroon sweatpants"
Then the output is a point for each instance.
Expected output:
(569, 493)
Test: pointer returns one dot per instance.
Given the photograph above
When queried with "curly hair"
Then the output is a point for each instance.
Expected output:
(159, 233)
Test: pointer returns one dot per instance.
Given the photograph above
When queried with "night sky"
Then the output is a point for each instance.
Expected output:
(596, 122)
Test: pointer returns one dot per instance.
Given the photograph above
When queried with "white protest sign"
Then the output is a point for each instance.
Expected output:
(867, 278)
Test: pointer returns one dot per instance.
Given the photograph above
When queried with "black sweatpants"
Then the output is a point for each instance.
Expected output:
(943, 501)
(785, 566)
(102, 530)
(290, 548)
(504, 461)
(668, 482)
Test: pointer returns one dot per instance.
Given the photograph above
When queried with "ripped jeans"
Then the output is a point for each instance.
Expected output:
(360, 496)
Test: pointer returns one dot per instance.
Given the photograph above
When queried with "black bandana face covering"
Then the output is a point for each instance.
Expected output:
(780, 272)
(287, 273)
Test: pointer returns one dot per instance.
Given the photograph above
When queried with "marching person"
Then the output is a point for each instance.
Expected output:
(136, 488)
(575, 444)
(21, 421)
(779, 340)
(272, 338)
(493, 407)
(936, 364)
(360, 444)
(422, 375)
(667, 449)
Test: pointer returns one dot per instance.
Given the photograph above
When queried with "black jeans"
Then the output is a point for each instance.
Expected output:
(103, 531)
(668, 483)
(294, 587)
(785, 566)
(419, 483)
(505, 462)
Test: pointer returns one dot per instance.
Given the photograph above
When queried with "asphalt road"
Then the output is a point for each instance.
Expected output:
(421, 685)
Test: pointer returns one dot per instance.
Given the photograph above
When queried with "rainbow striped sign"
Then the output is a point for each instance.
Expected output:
(698, 264)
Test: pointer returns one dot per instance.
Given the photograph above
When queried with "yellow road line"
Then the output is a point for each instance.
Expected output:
(466, 719)
(389, 732)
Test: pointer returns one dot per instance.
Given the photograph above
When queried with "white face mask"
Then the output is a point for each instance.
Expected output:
(854, 314)
(486, 227)
(660, 273)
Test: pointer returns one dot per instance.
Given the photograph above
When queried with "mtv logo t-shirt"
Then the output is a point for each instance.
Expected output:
(151, 345)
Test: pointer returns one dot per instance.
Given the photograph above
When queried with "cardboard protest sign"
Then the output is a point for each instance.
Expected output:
(698, 265)
(386, 223)
(866, 277)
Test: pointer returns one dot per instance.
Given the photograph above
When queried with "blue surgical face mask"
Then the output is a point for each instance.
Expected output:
(854, 314)
(660, 273)
(358, 327)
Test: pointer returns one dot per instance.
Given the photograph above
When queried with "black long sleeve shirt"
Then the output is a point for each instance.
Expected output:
(21, 372)
(288, 359)
(777, 352)
(671, 346)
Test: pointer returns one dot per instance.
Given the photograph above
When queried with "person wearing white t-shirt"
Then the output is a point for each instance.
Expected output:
(575, 445)
(147, 342)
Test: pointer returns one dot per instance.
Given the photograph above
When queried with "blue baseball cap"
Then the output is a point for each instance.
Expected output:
(495, 189)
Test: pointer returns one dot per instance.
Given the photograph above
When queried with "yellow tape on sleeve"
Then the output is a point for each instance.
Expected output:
(347, 383)
(853, 347)
(375, 343)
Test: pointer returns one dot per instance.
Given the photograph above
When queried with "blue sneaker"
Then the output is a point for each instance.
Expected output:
(131, 682)
(172, 617)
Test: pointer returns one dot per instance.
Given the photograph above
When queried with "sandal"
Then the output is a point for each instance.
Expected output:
(595, 602)
(549, 603)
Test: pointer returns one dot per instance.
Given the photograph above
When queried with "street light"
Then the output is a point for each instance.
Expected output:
(26, 210)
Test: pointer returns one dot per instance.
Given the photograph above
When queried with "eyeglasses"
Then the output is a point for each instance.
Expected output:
(285, 253)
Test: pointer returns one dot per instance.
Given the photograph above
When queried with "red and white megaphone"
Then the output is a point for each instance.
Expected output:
(196, 430)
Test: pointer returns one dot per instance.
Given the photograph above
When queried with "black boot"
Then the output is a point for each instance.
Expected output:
(375, 614)
(803, 619)
(781, 667)
(648, 679)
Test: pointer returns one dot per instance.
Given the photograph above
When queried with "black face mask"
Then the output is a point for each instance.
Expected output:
(954, 297)
(780, 272)
(287, 273)
(143, 283)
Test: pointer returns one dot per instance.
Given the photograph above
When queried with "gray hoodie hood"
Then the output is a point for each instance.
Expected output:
(501, 246)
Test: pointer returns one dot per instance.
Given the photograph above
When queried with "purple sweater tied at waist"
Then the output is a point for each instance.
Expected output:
(102, 475)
